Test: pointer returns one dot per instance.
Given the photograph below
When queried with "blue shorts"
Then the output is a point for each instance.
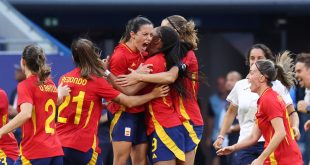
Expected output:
(128, 127)
(248, 155)
(57, 160)
(192, 135)
(6, 161)
(76, 157)
(167, 144)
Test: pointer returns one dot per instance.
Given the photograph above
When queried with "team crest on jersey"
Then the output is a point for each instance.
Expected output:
(127, 131)
(132, 65)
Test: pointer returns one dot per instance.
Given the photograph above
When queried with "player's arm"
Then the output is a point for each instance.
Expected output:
(133, 101)
(18, 120)
(229, 117)
(248, 141)
(278, 136)
(294, 120)
(128, 90)
(158, 78)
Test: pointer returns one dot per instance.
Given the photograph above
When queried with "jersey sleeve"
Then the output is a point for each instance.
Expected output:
(158, 65)
(4, 102)
(233, 95)
(105, 90)
(272, 108)
(118, 63)
(24, 94)
(283, 92)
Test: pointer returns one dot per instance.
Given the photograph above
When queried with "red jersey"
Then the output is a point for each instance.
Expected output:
(161, 110)
(188, 107)
(270, 106)
(39, 138)
(79, 114)
(8, 143)
(122, 59)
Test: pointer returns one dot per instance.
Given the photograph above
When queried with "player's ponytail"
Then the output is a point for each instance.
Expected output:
(35, 60)
(282, 70)
(186, 29)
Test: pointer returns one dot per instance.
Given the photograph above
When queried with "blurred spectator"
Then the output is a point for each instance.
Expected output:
(19, 76)
(216, 109)
(233, 132)
(302, 69)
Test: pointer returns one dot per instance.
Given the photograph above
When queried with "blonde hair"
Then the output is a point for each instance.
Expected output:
(186, 29)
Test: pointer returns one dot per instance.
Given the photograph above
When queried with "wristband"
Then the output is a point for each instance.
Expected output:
(292, 113)
(182, 67)
(220, 137)
(107, 73)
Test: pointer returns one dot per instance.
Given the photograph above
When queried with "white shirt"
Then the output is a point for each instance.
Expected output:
(246, 101)
(307, 96)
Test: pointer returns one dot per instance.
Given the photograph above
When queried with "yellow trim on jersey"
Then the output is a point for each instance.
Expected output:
(117, 115)
(89, 113)
(272, 159)
(4, 119)
(182, 109)
(94, 156)
(34, 120)
(164, 137)
(2, 154)
(191, 132)
(187, 124)
(194, 83)
(23, 159)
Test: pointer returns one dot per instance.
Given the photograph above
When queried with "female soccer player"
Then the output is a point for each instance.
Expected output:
(187, 107)
(243, 103)
(79, 114)
(8, 144)
(272, 117)
(37, 98)
(129, 54)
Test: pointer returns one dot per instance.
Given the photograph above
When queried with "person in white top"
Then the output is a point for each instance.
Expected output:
(244, 104)
(302, 69)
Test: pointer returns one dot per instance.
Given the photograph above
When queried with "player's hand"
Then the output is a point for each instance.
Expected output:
(296, 133)
(106, 63)
(218, 143)
(302, 106)
(225, 151)
(307, 125)
(143, 69)
(63, 90)
(160, 91)
(127, 80)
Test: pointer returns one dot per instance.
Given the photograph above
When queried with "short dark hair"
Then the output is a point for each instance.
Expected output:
(304, 58)
(267, 53)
